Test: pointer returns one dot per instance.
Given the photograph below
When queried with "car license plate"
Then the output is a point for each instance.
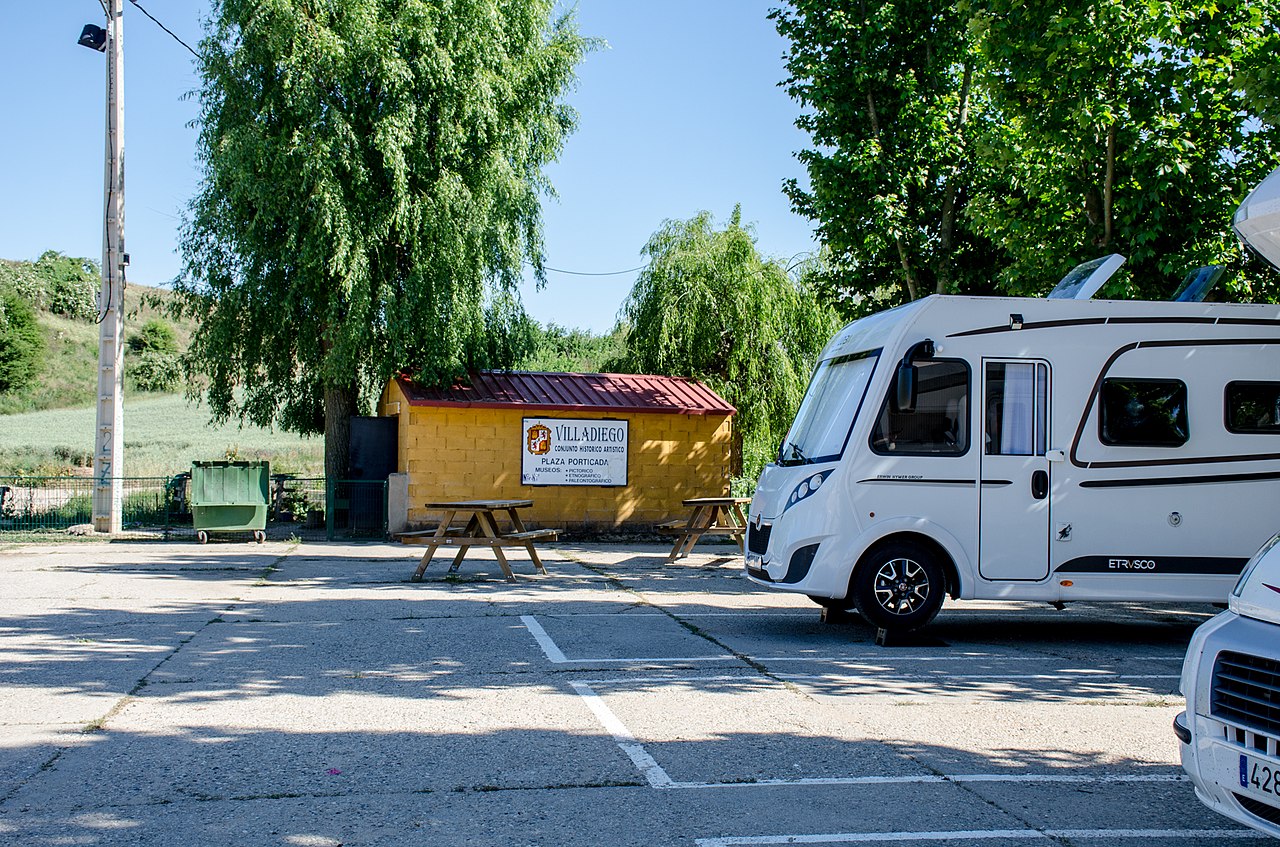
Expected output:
(1260, 779)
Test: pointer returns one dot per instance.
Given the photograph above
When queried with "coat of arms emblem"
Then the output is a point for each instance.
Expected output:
(539, 440)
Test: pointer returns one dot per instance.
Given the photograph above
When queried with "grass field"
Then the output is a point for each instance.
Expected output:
(162, 436)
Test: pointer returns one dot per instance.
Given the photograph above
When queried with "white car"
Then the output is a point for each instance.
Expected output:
(1230, 732)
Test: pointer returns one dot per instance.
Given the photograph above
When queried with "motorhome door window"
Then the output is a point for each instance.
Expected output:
(1253, 407)
(939, 423)
(1016, 408)
(1143, 413)
(828, 410)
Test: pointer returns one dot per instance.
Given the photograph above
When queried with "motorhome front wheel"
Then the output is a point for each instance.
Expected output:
(899, 586)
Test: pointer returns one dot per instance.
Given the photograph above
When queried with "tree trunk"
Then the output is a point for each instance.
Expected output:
(339, 406)
(907, 273)
(946, 231)
(903, 256)
(1108, 188)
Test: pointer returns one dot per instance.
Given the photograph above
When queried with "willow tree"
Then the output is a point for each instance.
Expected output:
(372, 176)
(708, 305)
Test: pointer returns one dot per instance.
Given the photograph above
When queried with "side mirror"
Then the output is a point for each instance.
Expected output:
(904, 394)
(906, 380)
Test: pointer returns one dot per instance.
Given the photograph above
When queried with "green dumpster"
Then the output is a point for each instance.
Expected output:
(230, 497)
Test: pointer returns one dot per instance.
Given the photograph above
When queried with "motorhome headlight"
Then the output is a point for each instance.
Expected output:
(807, 487)
(1253, 563)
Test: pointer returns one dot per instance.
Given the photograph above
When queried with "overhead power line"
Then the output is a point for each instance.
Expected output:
(165, 28)
(595, 273)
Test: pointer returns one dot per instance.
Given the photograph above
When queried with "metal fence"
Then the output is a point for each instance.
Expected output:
(359, 509)
(161, 506)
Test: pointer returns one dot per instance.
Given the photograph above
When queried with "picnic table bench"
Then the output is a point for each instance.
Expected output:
(707, 516)
(480, 530)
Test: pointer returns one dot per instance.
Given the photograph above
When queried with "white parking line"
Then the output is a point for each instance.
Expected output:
(782, 613)
(978, 835)
(657, 777)
(549, 648)
(924, 677)
(931, 779)
(748, 676)
(556, 656)
(949, 657)
(652, 771)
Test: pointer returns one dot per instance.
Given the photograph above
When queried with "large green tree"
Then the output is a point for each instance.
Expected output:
(889, 99)
(372, 179)
(1120, 128)
(990, 145)
(708, 305)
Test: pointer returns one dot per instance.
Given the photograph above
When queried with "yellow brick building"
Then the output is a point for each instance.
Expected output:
(671, 439)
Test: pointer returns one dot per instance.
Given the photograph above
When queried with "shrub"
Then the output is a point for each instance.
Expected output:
(155, 336)
(152, 370)
(22, 278)
(70, 285)
(21, 342)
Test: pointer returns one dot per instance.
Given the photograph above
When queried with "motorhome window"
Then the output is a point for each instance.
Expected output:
(1016, 407)
(1143, 413)
(939, 424)
(827, 412)
(1253, 407)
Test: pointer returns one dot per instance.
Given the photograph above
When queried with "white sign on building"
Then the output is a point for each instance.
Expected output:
(567, 451)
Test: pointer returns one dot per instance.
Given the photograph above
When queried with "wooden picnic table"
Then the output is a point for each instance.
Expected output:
(707, 516)
(480, 530)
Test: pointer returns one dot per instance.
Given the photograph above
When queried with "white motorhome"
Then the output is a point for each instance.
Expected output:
(1030, 449)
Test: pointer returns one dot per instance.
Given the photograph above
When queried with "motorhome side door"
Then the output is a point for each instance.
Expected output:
(1013, 512)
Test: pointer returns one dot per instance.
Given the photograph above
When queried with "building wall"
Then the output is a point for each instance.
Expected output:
(475, 454)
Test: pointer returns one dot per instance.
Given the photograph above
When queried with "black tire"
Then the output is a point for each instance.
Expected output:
(259, 536)
(202, 537)
(899, 586)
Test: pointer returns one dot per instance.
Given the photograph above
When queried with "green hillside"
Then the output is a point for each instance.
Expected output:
(48, 424)
(162, 436)
(62, 291)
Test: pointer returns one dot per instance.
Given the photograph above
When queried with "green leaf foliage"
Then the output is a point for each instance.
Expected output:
(60, 284)
(561, 349)
(888, 98)
(22, 344)
(1121, 128)
(709, 306)
(156, 335)
(987, 147)
(154, 370)
(372, 179)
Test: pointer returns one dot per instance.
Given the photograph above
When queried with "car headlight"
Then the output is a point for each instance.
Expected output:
(809, 485)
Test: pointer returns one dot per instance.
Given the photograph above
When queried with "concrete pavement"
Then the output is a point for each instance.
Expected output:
(311, 695)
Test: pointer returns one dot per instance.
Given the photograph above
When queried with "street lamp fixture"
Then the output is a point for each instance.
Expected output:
(94, 37)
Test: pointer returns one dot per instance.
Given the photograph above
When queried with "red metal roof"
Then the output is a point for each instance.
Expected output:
(570, 392)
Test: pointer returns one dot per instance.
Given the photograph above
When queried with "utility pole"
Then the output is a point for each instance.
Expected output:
(108, 455)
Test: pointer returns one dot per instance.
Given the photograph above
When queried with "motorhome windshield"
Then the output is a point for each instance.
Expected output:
(829, 408)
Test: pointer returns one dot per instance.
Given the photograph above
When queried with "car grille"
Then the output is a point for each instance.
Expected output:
(1259, 809)
(1247, 739)
(758, 538)
(1246, 691)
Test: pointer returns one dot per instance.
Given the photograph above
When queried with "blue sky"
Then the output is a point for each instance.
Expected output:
(679, 114)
